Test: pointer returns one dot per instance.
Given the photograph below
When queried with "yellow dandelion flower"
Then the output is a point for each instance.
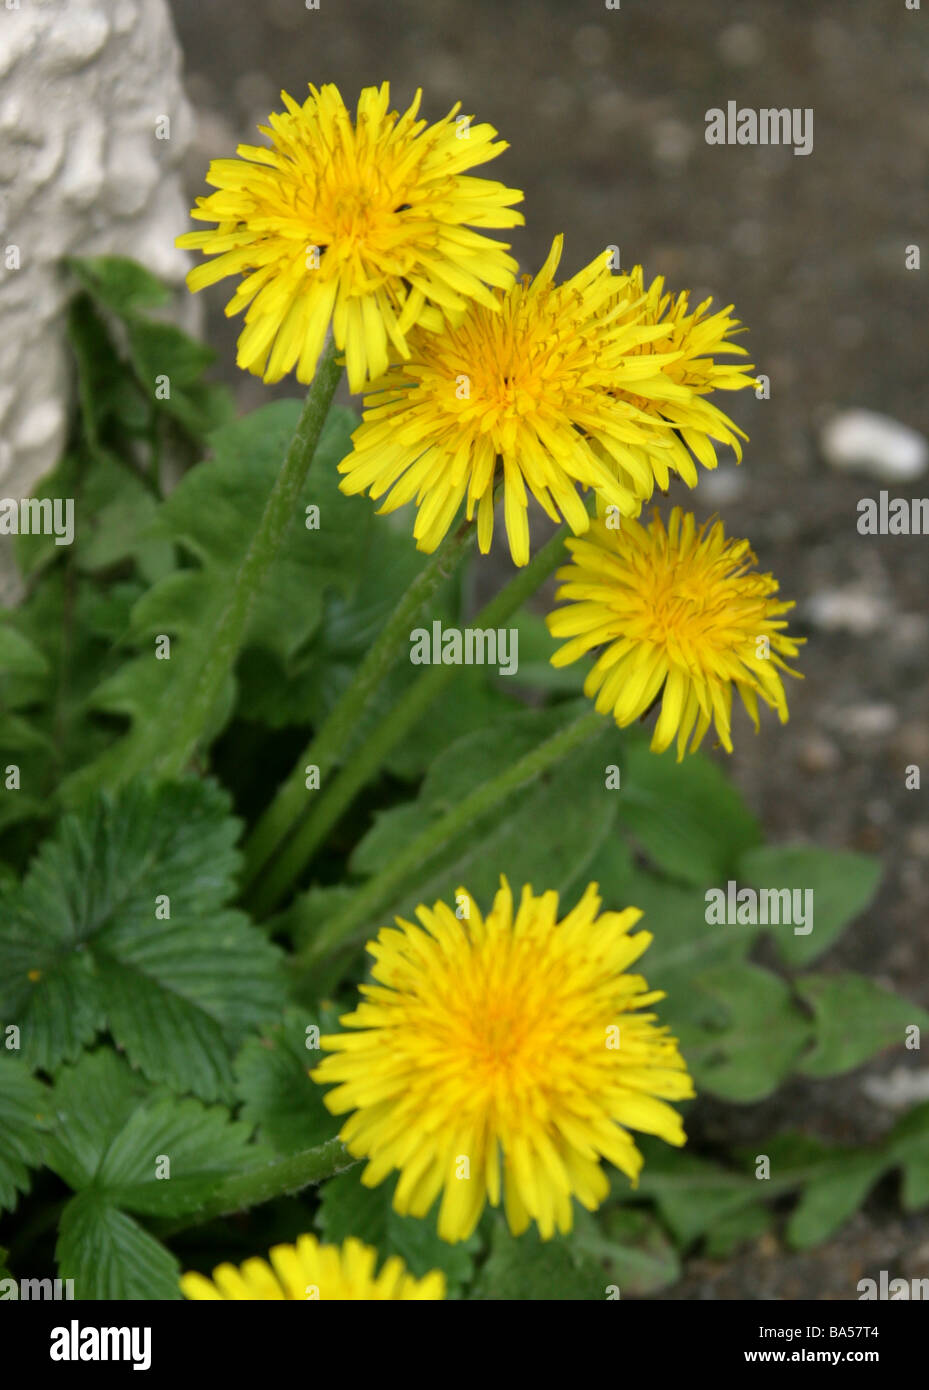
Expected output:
(367, 225)
(310, 1271)
(506, 1052)
(540, 394)
(680, 615)
(691, 343)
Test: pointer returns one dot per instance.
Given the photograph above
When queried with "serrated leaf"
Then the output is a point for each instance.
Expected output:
(743, 1033)
(213, 515)
(855, 1018)
(687, 816)
(528, 1268)
(83, 944)
(200, 1144)
(348, 1208)
(91, 1102)
(24, 1115)
(842, 885)
(141, 1149)
(54, 733)
(272, 1079)
(110, 1256)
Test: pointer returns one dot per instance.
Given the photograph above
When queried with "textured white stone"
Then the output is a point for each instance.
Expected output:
(862, 441)
(81, 173)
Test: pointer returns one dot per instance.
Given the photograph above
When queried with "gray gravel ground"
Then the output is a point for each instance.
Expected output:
(605, 113)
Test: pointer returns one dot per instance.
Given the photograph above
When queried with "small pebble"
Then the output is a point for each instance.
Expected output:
(862, 441)
(847, 610)
(899, 1089)
(867, 721)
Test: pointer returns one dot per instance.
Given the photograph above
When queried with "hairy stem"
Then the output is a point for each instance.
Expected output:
(369, 758)
(379, 892)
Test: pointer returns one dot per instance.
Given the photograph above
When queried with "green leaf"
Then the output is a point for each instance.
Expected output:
(743, 1034)
(200, 1144)
(828, 1202)
(536, 646)
(117, 516)
(71, 627)
(163, 369)
(93, 1101)
(212, 516)
(24, 1115)
(693, 1195)
(347, 1208)
(167, 360)
(303, 689)
(688, 818)
(475, 703)
(19, 656)
(842, 885)
(855, 1018)
(631, 1248)
(684, 944)
(143, 1150)
(908, 1145)
(119, 284)
(735, 1229)
(272, 1079)
(110, 1256)
(528, 1268)
(84, 946)
(528, 837)
(115, 414)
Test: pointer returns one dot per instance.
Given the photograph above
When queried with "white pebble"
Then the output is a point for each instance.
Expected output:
(862, 441)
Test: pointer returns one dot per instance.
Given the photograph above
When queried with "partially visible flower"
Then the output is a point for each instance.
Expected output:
(691, 342)
(365, 224)
(312, 1271)
(678, 615)
(541, 394)
(504, 1054)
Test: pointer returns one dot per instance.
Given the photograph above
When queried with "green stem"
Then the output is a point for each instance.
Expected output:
(224, 643)
(328, 743)
(367, 760)
(240, 1191)
(378, 893)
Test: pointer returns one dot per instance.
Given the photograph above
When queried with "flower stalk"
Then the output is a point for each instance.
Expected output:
(192, 710)
(369, 758)
(380, 891)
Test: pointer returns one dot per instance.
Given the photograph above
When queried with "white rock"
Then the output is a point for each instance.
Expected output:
(847, 610)
(862, 441)
(867, 721)
(901, 1088)
(81, 173)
